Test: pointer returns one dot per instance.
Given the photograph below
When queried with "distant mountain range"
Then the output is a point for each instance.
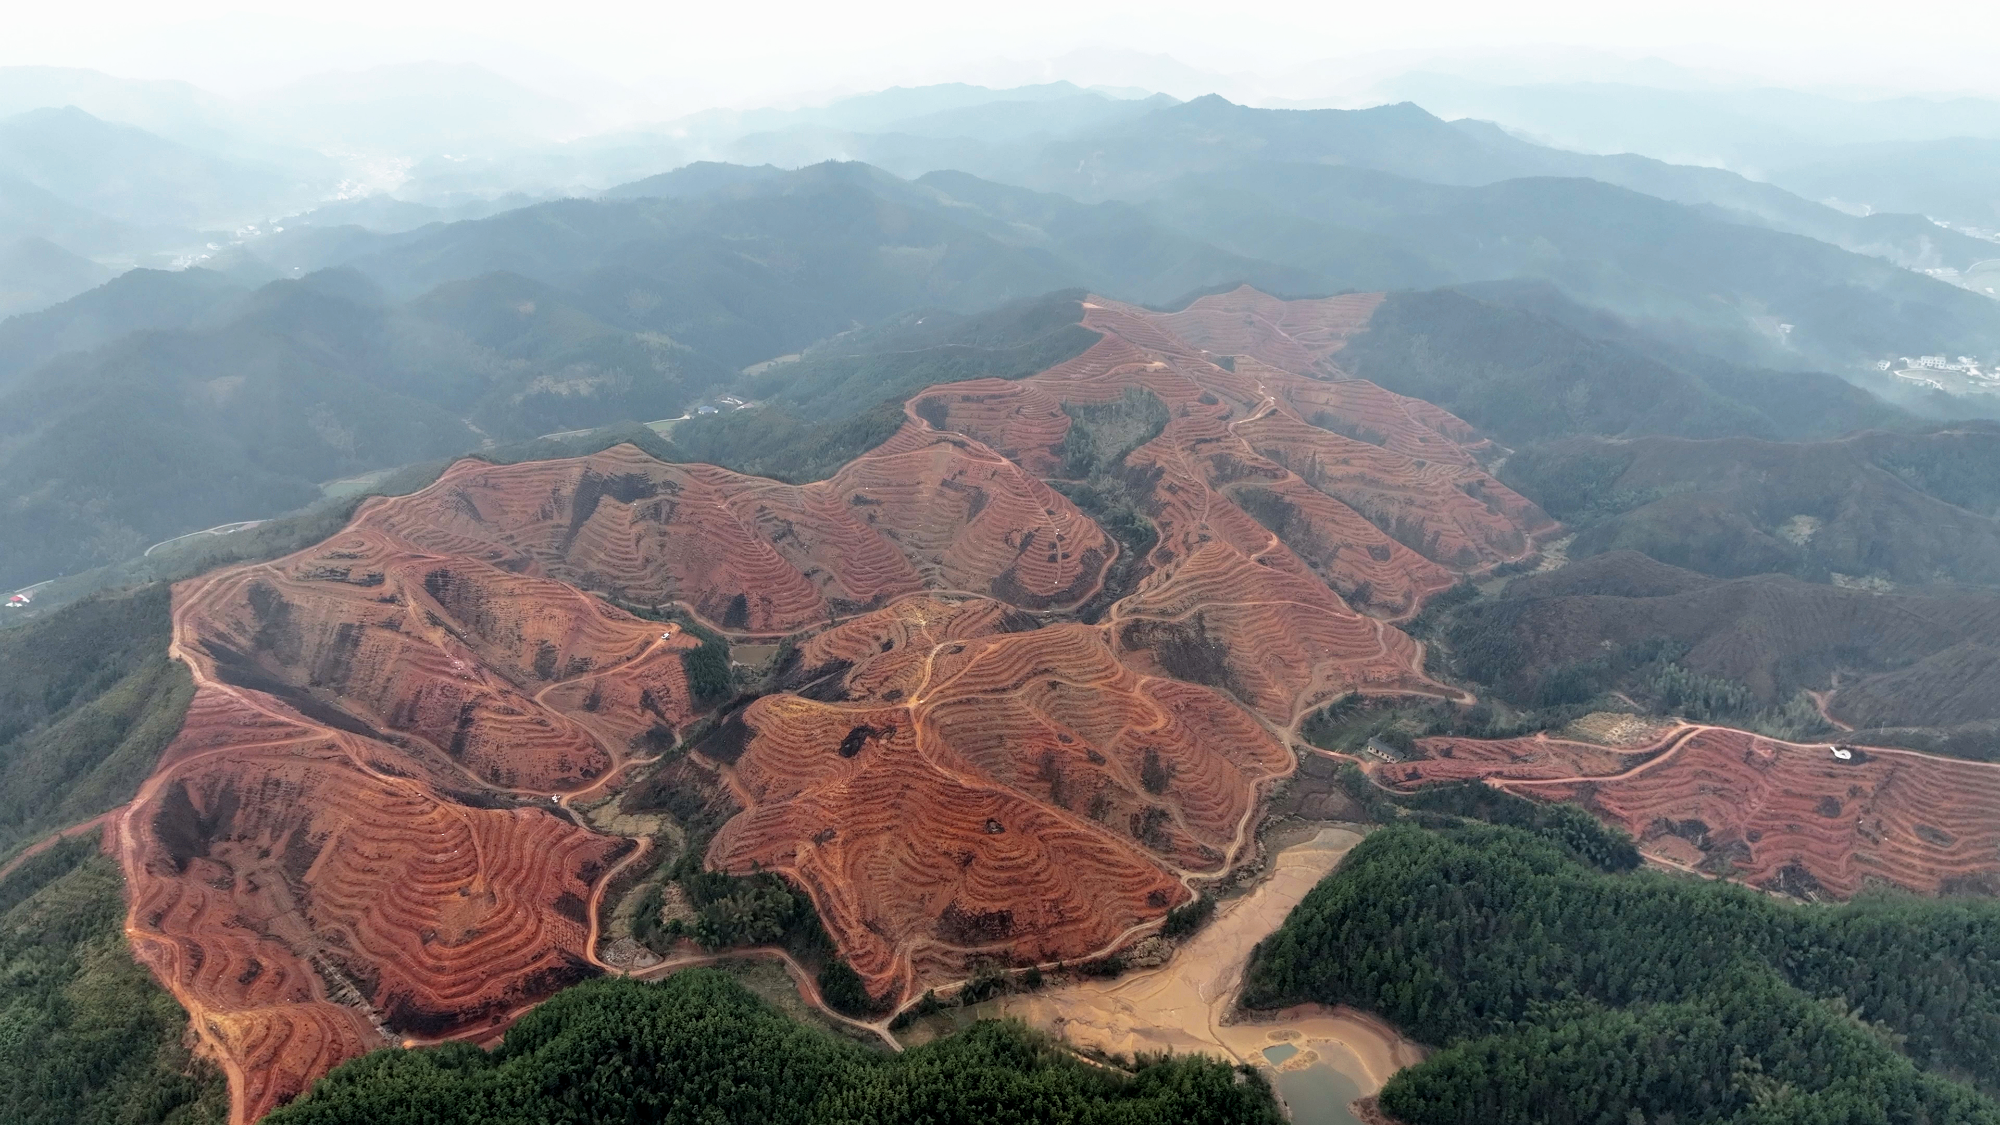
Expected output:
(1929, 156)
(187, 176)
(371, 331)
(1269, 207)
(36, 273)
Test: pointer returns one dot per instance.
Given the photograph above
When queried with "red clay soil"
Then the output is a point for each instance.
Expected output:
(351, 840)
(1061, 796)
(1293, 335)
(1287, 502)
(757, 556)
(1777, 814)
(522, 682)
(332, 851)
(1530, 758)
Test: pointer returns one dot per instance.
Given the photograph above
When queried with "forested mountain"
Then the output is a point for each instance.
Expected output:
(698, 1047)
(845, 396)
(1911, 508)
(167, 432)
(552, 365)
(93, 1037)
(178, 111)
(1949, 177)
(1133, 159)
(132, 302)
(116, 195)
(132, 176)
(36, 273)
(1118, 248)
(1563, 993)
(1617, 621)
(1721, 578)
(30, 211)
(1526, 364)
(707, 270)
(171, 430)
(1910, 154)
(89, 700)
(1746, 292)
(751, 265)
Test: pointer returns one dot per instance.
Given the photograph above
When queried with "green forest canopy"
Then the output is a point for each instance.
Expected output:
(700, 1048)
(88, 699)
(1563, 993)
(86, 1036)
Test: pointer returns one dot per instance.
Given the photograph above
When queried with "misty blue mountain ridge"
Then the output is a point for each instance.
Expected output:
(631, 245)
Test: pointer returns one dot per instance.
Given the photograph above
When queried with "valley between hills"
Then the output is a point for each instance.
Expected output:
(1007, 724)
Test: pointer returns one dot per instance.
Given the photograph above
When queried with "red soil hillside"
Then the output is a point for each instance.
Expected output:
(1532, 758)
(1270, 634)
(1770, 813)
(1294, 335)
(328, 847)
(352, 837)
(758, 556)
(1274, 529)
(521, 682)
(292, 891)
(1058, 794)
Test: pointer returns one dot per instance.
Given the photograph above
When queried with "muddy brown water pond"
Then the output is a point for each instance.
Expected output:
(1320, 1059)
(752, 655)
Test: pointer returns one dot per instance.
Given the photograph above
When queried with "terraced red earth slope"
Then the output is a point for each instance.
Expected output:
(351, 831)
(957, 790)
(757, 556)
(1779, 814)
(1275, 525)
(944, 717)
(352, 836)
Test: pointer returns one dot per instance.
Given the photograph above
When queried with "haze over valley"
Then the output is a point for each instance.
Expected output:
(941, 573)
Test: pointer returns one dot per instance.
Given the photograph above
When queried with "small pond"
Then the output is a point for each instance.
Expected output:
(1317, 1094)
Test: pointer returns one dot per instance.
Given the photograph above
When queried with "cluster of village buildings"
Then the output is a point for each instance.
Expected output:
(1944, 373)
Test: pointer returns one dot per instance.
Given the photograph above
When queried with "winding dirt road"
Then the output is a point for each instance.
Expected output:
(51, 840)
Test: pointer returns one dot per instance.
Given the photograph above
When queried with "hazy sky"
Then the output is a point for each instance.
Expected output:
(683, 55)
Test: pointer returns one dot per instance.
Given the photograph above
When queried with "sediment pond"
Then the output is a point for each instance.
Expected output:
(1319, 1058)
